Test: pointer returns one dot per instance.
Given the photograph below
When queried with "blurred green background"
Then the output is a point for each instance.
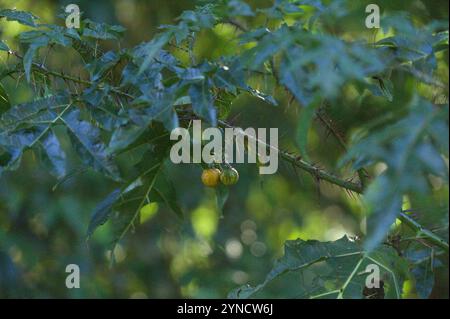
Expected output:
(203, 256)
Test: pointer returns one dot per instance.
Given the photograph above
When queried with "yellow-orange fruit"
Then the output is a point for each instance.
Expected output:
(211, 177)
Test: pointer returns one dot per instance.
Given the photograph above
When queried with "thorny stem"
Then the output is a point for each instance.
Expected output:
(308, 167)
(295, 160)
(362, 174)
(423, 232)
(351, 186)
(41, 69)
(330, 126)
(357, 188)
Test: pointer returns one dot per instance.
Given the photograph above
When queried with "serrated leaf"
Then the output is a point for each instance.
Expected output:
(267, 47)
(128, 209)
(103, 211)
(323, 64)
(230, 78)
(335, 269)
(88, 144)
(294, 78)
(33, 113)
(384, 205)
(54, 154)
(165, 192)
(405, 147)
(22, 17)
(202, 18)
(152, 48)
(203, 102)
(102, 31)
(26, 125)
(423, 265)
(124, 136)
(15, 144)
(127, 204)
(99, 67)
(160, 108)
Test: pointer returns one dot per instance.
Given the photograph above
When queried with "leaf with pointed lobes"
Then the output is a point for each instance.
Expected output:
(203, 102)
(89, 146)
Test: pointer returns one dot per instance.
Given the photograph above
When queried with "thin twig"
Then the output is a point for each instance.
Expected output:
(321, 174)
(44, 70)
(295, 160)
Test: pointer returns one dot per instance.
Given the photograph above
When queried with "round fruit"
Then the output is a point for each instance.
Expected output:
(210, 177)
(229, 176)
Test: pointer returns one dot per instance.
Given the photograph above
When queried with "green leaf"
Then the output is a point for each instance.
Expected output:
(184, 100)
(334, 269)
(268, 45)
(383, 87)
(164, 192)
(100, 67)
(105, 208)
(203, 102)
(230, 77)
(304, 123)
(124, 136)
(411, 148)
(88, 144)
(192, 75)
(223, 103)
(160, 109)
(16, 143)
(127, 202)
(222, 193)
(102, 31)
(239, 8)
(324, 64)
(103, 211)
(33, 113)
(137, 196)
(294, 77)
(28, 60)
(22, 17)
(54, 155)
(26, 125)
(201, 18)
(266, 98)
(424, 279)
(394, 270)
(152, 48)
(281, 8)
(423, 263)
(3, 46)
(5, 105)
(11, 278)
(384, 205)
